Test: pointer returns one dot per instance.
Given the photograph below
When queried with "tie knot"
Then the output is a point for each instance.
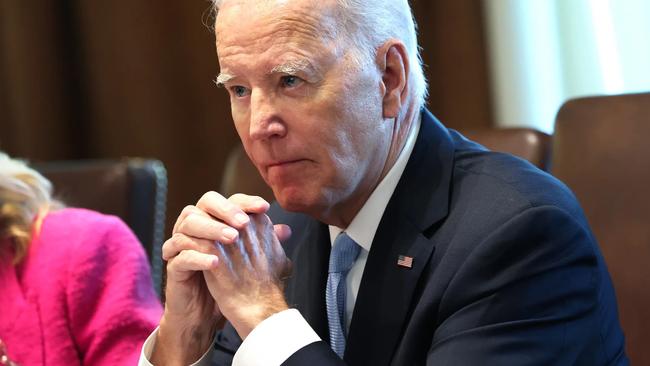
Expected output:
(344, 253)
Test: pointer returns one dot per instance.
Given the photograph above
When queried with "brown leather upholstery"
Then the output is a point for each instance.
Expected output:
(601, 151)
(526, 143)
(133, 189)
(241, 176)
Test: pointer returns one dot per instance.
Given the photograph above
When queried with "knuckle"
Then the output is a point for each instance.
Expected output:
(266, 220)
(182, 227)
(262, 221)
(176, 238)
(183, 254)
(188, 209)
(237, 197)
(168, 246)
(169, 242)
(205, 196)
(172, 264)
(183, 258)
(210, 195)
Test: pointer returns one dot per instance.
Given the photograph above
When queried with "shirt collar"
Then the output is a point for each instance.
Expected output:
(364, 225)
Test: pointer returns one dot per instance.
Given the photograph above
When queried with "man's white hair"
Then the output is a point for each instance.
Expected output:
(370, 23)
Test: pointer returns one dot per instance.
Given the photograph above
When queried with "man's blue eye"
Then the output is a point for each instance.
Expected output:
(290, 81)
(239, 91)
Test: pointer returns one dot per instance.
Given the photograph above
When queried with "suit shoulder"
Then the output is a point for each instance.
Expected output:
(521, 184)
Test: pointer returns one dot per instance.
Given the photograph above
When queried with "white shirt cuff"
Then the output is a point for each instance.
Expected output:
(148, 345)
(275, 339)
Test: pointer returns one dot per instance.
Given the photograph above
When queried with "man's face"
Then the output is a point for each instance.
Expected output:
(309, 117)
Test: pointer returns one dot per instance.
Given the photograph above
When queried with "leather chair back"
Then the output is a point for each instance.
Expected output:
(133, 189)
(601, 151)
(526, 143)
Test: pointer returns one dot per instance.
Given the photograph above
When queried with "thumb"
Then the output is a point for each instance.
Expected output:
(282, 231)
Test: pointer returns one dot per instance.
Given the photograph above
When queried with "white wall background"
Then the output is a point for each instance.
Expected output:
(543, 52)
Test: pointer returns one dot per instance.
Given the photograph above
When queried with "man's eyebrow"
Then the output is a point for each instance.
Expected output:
(223, 78)
(292, 67)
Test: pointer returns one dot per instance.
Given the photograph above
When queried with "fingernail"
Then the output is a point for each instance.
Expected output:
(215, 262)
(241, 218)
(230, 233)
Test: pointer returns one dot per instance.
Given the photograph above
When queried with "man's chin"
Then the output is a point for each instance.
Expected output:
(292, 204)
(294, 200)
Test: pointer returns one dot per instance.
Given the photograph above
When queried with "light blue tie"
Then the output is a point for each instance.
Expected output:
(344, 253)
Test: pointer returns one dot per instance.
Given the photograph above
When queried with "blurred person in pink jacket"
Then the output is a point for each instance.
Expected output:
(75, 285)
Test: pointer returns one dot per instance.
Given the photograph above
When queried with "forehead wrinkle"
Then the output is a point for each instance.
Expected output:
(316, 21)
(308, 25)
(301, 31)
(298, 24)
(273, 36)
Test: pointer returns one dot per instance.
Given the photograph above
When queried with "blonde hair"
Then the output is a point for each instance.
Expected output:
(24, 194)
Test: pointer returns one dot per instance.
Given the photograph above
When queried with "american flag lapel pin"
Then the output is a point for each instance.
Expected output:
(405, 261)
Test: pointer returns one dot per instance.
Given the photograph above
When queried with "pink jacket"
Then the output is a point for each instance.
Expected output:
(83, 296)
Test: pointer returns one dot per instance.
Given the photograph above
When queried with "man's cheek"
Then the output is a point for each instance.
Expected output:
(242, 127)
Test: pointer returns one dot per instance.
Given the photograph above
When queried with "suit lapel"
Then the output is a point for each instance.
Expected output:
(386, 293)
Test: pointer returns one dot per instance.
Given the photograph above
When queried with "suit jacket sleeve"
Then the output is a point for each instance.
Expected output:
(226, 344)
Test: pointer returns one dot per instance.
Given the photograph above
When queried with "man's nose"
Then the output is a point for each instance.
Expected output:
(266, 121)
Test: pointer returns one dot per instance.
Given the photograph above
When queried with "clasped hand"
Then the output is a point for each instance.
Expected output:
(225, 259)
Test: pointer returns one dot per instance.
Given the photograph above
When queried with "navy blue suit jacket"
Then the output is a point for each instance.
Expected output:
(505, 272)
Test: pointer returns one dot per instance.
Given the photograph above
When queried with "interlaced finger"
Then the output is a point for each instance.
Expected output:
(179, 242)
(206, 227)
(190, 261)
(250, 204)
(222, 209)
(187, 210)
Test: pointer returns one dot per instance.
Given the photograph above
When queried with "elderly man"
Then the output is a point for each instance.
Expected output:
(407, 245)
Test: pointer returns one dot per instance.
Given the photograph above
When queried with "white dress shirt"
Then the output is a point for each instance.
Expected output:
(276, 338)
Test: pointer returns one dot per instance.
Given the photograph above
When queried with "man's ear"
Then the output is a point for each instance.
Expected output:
(393, 63)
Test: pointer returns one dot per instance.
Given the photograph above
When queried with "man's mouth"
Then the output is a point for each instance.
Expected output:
(283, 163)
